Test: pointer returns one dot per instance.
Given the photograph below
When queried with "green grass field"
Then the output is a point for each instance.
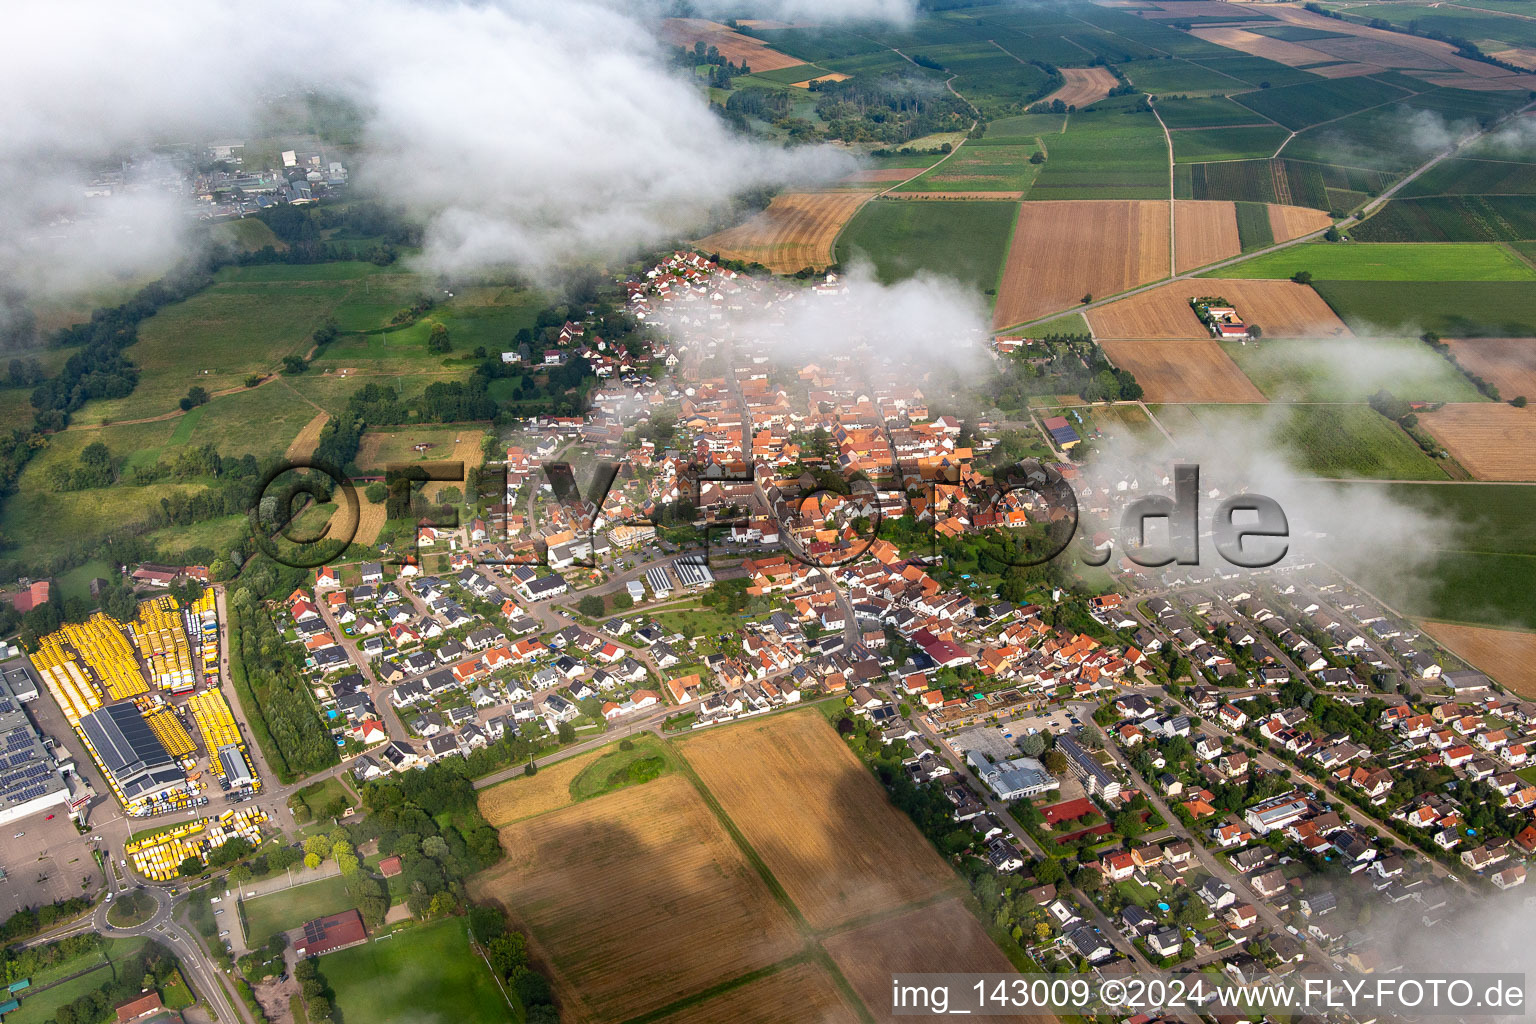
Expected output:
(1350, 370)
(964, 240)
(1206, 112)
(647, 760)
(1105, 155)
(40, 1004)
(1454, 309)
(429, 969)
(1071, 323)
(1389, 262)
(1331, 441)
(1181, 77)
(986, 168)
(280, 911)
(1257, 142)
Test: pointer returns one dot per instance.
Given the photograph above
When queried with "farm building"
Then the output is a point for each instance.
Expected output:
(328, 934)
(1061, 432)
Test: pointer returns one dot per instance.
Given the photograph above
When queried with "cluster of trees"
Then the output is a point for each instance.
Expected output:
(273, 692)
(92, 468)
(887, 108)
(24, 962)
(507, 950)
(152, 966)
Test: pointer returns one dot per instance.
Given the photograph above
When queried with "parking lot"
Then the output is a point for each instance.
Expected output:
(48, 862)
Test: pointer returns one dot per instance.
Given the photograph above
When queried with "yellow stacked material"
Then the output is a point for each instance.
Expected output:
(204, 604)
(162, 643)
(76, 695)
(215, 721)
(159, 857)
(101, 644)
(169, 730)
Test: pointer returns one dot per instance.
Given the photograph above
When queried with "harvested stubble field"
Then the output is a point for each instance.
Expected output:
(1492, 440)
(1282, 309)
(824, 827)
(938, 939)
(1288, 222)
(1183, 371)
(637, 899)
(1083, 86)
(803, 991)
(1506, 655)
(1507, 363)
(1050, 268)
(370, 522)
(521, 798)
(1290, 54)
(733, 46)
(380, 448)
(1204, 232)
(795, 231)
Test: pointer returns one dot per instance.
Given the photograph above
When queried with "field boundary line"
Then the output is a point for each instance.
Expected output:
(1173, 260)
(775, 887)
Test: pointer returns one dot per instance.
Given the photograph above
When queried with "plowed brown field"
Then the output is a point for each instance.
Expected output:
(1203, 232)
(1291, 54)
(940, 939)
(1288, 222)
(1389, 41)
(1183, 371)
(801, 991)
(1493, 440)
(1083, 86)
(1508, 363)
(1063, 250)
(796, 231)
(1282, 309)
(637, 899)
(1508, 656)
(817, 817)
(733, 46)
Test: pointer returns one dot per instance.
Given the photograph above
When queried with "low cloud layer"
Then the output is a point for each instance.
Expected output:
(522, 133)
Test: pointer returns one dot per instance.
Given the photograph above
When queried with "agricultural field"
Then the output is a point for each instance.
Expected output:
(1281, 308)
(1507, 363)
(1049, 270)
(1180, 77)
(973, 168)
(795, 231)
(1349, 370)
(1329, 441)
(1287, 182)
(1083, 86)
(694, 909)
(1206, 112)
(303, 446)
(550, 789)
(1454, 309)
(1204, 233)
(940, 938)
(1105, 155)
(1494, 441)
(1291, 54)
(1254, 227)
(430, 968)
(1389, 262)
(1199, 145)
(824, 828)
(963, 239)
(1183, 371)
(805, 986)
(1508, 656)
(1480, 218)
(733, 46)
(1463, 176)
(384, 446)
(1288, 222)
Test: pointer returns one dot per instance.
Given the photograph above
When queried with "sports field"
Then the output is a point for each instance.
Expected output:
(963, 239)
(1493, 440)
(429, 968)
(795, 231)
(1049, 270)
(1183, 371)
(289, 908)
